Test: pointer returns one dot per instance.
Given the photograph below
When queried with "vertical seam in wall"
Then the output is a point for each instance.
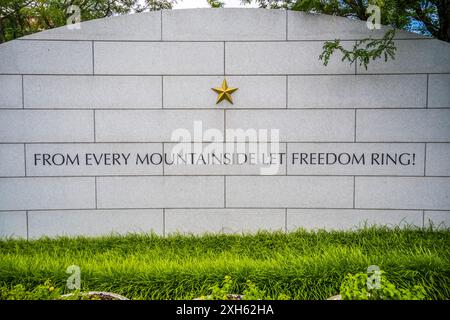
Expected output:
(27, 225)
(428, 81)
(425, 161)
(423, 219)
(164, 221)
(224, 59)
(95, 184)
(285, 220)
(224, 125)
(224, 191)
(162, 92)
(356, 63)
(95, 133)
(354, 133)
(25, 158)
(354, 191)
(23, 95)
(287, 91)
(93, 58)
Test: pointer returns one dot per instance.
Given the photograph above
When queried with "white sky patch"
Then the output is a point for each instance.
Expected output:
(185, 4)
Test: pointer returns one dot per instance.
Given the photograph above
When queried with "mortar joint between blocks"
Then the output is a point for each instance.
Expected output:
(164, 221)
(27, 225)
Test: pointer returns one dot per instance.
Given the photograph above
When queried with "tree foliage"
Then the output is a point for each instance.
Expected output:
(431, 17)
(363, 51)
(22, 17)
(216, 3)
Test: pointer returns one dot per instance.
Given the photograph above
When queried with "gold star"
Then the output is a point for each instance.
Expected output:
(224, 92)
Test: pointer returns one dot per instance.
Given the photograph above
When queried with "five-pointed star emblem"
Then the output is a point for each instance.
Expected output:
(224, 92)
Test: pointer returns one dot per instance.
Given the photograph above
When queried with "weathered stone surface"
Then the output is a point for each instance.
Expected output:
(361, 91)
(48, 57)
(403, 125)
(273, 58)
(95, 222)
(160, 192)
(12, 160)
(155, 125)
(224, 220)
(47, 193)
(11, 91)
(295, 125)
(289, 192)
(142, 26)
(223, 24)
(439, 91)
(402, 193)
(438, 159)
(13, 224)
(92, 92)
(46, 126)
(166, 58)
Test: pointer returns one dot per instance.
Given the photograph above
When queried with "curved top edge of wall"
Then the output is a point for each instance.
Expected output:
(232, 24)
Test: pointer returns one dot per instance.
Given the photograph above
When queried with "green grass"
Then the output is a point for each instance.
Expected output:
(302, 265)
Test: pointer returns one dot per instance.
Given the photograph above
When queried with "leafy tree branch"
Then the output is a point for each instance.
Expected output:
(363, 51)
(21, 17)
(430, 17)
(216, 3)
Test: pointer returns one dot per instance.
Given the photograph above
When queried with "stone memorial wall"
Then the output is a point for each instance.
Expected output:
(114, 127)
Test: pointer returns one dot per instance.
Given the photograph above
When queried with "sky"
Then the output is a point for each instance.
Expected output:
(202, 4)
